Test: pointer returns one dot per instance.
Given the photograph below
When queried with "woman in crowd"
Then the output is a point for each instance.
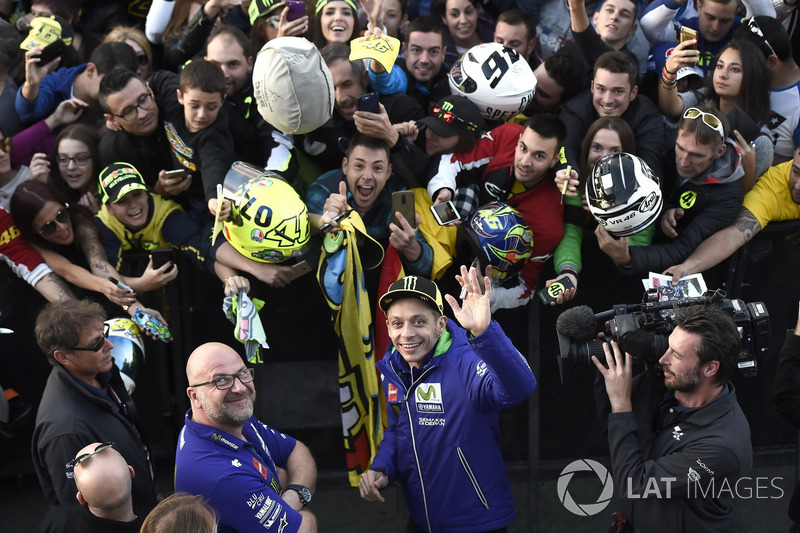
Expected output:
(77, 165)
(466, 26)
(739, 86)
(606, 135)
(66, 238)
(335, 21)
(137, 40)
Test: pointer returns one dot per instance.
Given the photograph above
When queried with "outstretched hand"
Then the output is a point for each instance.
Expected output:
(474, 313)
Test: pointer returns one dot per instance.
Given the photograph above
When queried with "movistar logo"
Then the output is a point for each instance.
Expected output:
(429, 398)
(427, 395)
(224, 441)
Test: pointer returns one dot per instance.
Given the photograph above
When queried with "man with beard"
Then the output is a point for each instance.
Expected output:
(232, 459)
(512, 164)
(774, 197)
(674, 451)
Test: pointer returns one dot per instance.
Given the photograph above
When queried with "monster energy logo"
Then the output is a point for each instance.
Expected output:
(447, 106)
(428, 398)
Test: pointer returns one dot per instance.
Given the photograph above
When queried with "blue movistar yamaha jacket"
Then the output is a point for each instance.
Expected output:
(442, 443)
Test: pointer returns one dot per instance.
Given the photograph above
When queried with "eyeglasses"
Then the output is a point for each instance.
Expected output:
(86, 456)
(448, 117)
(50, 227)
(130, 112)
(708, 119)
(143, 60)
(226, 381)
(755, 29)
(79, 160)
(97, 345)
(5, 144)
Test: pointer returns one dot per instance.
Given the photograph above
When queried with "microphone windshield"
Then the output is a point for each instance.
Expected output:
(577, 323)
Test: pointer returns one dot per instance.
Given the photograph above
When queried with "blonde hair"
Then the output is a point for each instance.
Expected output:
(120, 34)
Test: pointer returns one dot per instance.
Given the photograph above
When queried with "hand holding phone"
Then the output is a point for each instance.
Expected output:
(368, 102)
(403, 201)
(52, 51)
(687, 34)
(295, 9)
(550, 293)
(300, 269)
(445, 213)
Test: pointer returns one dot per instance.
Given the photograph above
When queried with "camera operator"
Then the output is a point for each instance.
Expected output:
(674, 450)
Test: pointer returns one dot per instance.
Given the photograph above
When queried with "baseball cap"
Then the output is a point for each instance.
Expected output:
(323, 3)
(453, 115)
(117, 180)
(262, 8)
(413, 287)
(47, 30)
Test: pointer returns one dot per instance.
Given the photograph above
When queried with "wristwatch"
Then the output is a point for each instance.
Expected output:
(303, 491)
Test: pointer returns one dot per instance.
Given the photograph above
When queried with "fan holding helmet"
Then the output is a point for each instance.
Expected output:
(511, 168)
(709, 192)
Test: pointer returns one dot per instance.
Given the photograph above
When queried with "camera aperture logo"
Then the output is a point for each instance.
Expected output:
(585, 509)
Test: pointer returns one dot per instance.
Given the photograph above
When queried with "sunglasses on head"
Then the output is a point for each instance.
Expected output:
(50, 227)
(708, 119)
(755, 29)
(448, 117)
(97, 345)
(5, 144)
(85, 456)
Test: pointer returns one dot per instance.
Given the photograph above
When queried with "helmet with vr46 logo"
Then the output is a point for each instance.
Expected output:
(128, 350)
(495, 78)
(499, 236)
(269, 221)
(623, 194)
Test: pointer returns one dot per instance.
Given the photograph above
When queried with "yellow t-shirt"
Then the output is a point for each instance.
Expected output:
(770, 199)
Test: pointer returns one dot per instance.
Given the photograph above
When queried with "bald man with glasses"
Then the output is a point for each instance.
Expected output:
(84, 401)
(104, 481)
(237, 463)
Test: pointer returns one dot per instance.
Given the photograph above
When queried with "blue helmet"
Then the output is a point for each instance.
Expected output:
(499, 236)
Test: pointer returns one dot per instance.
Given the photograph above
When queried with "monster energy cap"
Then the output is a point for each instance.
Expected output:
(453, 115)
(413, 287)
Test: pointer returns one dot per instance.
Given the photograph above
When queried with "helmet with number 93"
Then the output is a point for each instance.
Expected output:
(499, 236)
(495, 78)
(269, 221)
(128, 350)
(623, 194)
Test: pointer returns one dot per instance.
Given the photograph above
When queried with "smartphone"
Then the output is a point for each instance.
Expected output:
(162, 257)
(687, 34)
(176, 172)
(300, 269)
(445, 213)
(296, 9)
(52, 51)
(368, 102)
(403, 201)
(550, 293)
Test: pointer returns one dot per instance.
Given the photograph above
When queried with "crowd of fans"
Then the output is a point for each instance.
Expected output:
(119, 143)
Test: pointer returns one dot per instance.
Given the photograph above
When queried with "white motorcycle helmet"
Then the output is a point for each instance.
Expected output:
(495, 78)
(623, 194)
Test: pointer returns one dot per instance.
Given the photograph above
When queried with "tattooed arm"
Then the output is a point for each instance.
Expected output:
(53, 288)
(718, 247)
